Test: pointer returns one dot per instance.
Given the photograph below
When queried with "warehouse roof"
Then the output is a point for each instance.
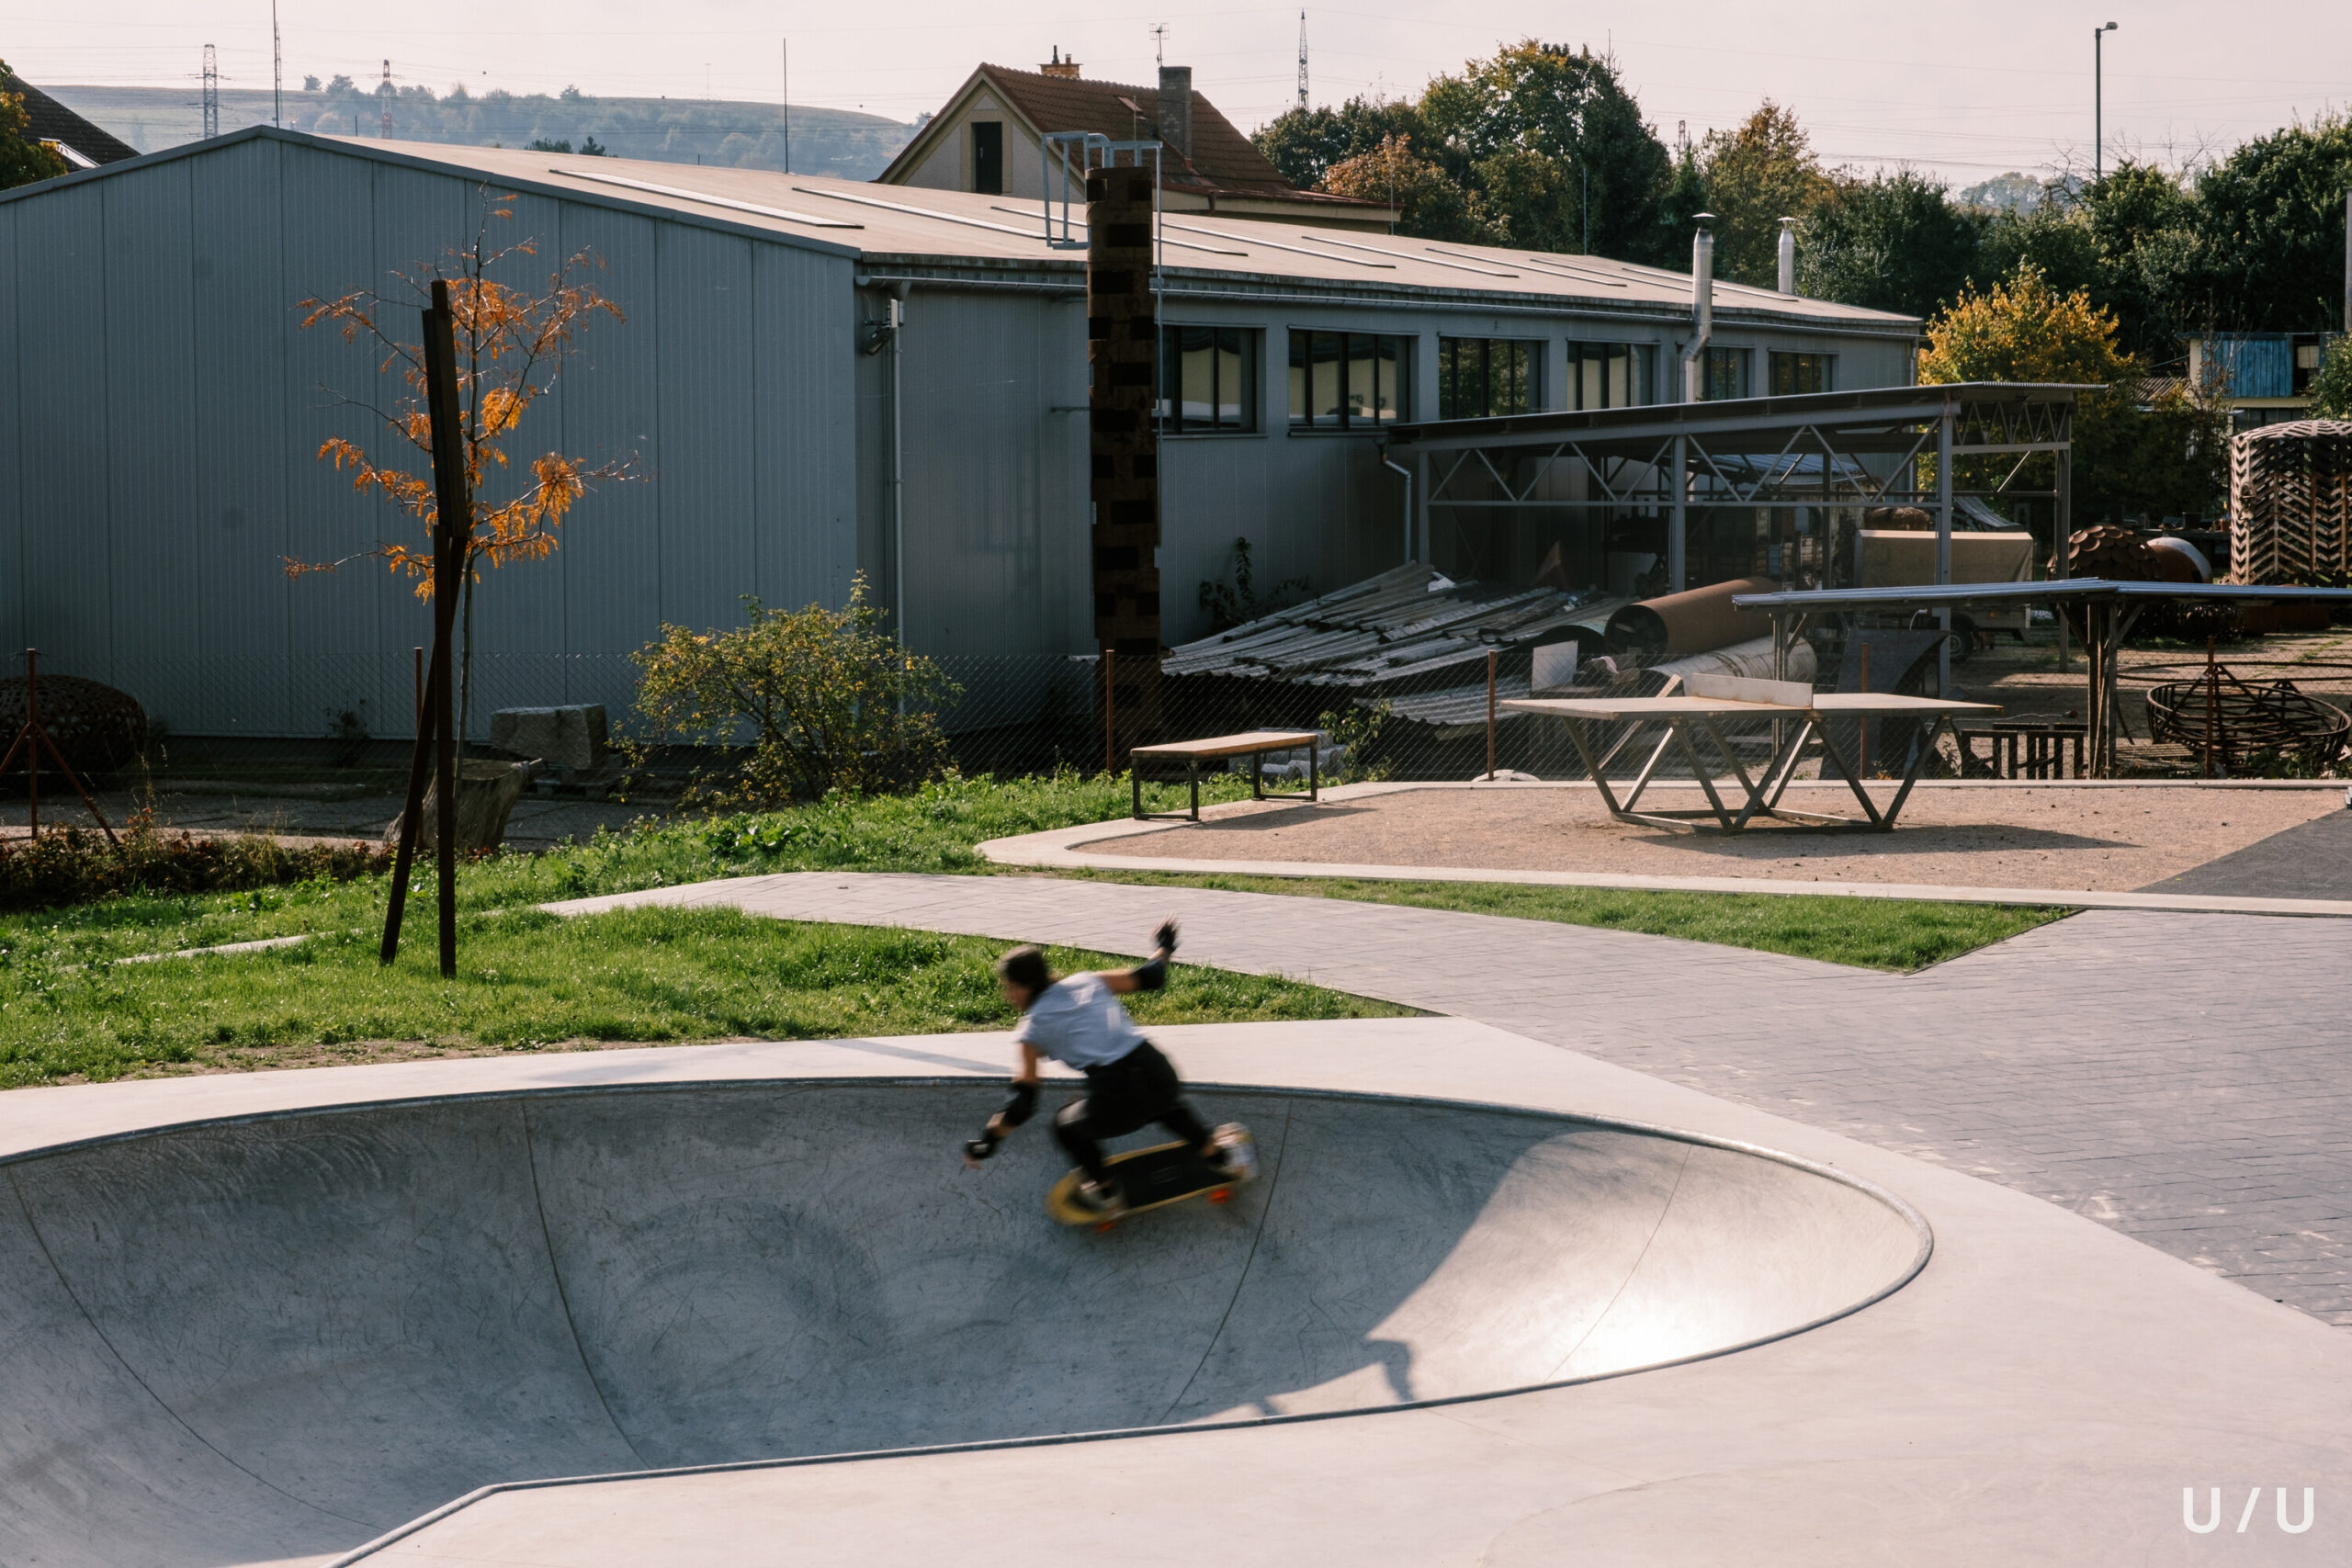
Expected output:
(956, 235)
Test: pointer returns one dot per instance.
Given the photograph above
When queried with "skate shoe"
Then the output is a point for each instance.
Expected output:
(1103, 1198)
(1232, 1152)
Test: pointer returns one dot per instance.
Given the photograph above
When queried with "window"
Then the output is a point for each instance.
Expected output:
(1481, 377)
(1727, 374)
(987, 156)
(1802, 373)
(1607, 375)
(1346, 380)
(1208, 380)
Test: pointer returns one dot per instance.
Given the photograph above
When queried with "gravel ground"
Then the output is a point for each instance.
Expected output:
(2074, 839)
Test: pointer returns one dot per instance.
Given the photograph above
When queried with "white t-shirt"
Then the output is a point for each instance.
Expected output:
(1078, 1022)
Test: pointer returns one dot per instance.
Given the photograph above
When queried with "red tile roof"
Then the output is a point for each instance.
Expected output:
(1222, 160)
(52, 121)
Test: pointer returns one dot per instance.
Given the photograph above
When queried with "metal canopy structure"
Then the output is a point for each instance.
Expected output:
(1807, 451)
(2109, 610)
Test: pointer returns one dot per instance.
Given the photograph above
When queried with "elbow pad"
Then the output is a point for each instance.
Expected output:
(1151, 976)
(1020, 1105)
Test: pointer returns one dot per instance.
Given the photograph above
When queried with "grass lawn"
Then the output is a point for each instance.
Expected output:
(1870, 933)
(528, 981)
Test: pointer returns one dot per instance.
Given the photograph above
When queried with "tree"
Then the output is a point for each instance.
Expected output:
(2269, 221)
(830, 701)
(2136, 448)
(22, 159)
(1891, 242)
(1305, 143)
(1429, 202)
(1541, 144)
(1534, 105)
(511, 347)
(1756, 174)
(2332, 387)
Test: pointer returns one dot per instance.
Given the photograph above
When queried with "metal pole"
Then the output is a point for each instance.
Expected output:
(1491, 714)
(2062, 533)
(2099, 73)
(897, 471)
(32, 729)
(1943, 547)
(1678, 517)
(1110, 712)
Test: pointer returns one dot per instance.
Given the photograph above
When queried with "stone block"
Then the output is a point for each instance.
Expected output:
(572, 737)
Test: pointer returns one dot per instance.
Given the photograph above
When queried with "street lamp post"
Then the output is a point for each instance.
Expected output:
(2099, 45)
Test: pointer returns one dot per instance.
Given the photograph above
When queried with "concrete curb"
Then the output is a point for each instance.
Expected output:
(1062, 849)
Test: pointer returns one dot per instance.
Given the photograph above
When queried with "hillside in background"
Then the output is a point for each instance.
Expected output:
(840, 143)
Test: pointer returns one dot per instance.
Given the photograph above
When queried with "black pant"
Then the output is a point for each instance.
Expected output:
(1138, 1088)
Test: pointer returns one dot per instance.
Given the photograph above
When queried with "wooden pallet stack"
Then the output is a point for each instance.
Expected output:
(2291, 504)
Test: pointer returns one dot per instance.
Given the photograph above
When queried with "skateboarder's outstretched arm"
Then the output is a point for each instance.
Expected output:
(1027, 978)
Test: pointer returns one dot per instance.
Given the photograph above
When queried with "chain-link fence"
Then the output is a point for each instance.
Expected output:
(321, 746)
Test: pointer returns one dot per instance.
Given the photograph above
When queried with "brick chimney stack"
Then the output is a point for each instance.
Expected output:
(1176, 109)
(1057, 66)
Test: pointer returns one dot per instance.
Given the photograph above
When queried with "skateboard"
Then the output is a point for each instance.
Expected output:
(1157, 1176)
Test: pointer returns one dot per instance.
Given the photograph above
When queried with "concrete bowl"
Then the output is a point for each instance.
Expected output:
(282, 1335)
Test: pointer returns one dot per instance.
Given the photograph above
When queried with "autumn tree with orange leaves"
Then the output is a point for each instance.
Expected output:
(512, 346)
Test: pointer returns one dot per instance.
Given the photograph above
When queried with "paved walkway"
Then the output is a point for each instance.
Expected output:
(2186, 1078)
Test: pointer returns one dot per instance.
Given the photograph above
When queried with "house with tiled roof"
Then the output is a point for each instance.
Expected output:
(989, 138)
(84, 145)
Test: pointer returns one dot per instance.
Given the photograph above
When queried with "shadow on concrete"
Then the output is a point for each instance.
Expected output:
(2311, 860)
(280, 1336)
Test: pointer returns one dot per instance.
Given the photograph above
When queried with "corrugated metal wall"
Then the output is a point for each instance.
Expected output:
(160, 410)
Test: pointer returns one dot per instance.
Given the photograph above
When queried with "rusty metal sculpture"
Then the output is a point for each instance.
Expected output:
(100, 728)
(2224, 720)
(2291, 504)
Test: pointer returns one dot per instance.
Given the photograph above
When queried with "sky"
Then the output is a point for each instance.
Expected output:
(1964, 92)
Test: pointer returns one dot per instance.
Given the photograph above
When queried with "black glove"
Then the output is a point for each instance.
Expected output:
(1165, 937)
(1020, 1105)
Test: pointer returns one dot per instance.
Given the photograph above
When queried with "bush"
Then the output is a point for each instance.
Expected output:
(827, 704)
(78, 866)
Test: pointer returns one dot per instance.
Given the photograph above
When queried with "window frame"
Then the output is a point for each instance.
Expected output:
(1824, 365)
(1640, 380)
(1396, 354)
(977, 127)
(1529, 372)
(1248, 353)
(1742, 367)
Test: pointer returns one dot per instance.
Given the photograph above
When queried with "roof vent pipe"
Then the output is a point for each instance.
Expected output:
(1702, 308)
(1788, 255)
(1174, 110)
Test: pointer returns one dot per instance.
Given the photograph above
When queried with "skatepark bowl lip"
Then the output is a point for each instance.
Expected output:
(1484, 1138)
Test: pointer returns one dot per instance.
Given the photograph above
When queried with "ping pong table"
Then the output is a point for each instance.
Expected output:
(1799, 714)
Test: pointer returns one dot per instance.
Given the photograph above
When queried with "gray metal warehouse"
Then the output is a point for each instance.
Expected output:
(160, 410)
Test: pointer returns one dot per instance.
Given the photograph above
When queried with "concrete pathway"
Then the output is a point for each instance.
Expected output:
(2186, 1078)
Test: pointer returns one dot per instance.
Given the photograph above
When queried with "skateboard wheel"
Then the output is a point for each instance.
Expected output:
(1222, 1195)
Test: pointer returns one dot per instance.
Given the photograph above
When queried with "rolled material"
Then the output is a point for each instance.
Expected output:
(1692, 622)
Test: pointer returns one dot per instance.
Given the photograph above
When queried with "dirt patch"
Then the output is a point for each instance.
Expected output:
(2075, 840)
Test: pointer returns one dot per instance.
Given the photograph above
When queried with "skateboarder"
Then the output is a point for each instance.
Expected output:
(1079, 1021)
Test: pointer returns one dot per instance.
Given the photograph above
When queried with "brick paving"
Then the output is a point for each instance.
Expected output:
(2186, 1078)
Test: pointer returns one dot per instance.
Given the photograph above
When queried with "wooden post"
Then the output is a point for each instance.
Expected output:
(1490, 715)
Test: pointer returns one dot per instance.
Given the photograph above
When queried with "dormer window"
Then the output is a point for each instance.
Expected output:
(987, 156)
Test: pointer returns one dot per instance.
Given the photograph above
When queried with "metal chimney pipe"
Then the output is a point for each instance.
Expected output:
(1788, 255)
(1702, 308)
